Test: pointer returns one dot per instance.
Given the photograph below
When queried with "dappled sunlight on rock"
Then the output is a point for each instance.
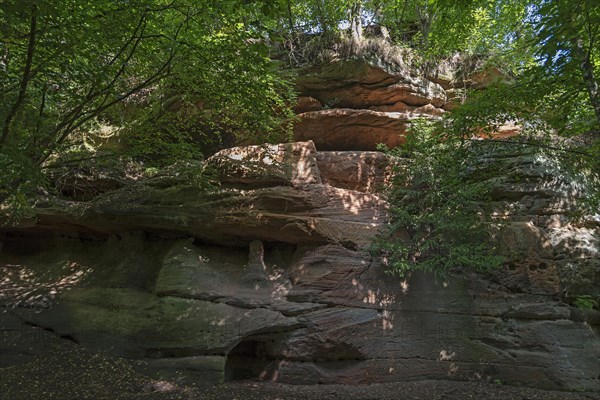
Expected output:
(22, 286)
(370, 297)
(387, 321)
(162, 386)
(364, 171)
(220, 322)
(404, 286)
(452, 369)
(267, 165)
(271, 278)
(446, 355)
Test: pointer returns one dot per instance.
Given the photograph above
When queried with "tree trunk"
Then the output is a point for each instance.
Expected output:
(4, 60)
(24, 80)
(385, 33)
(321, 16)
(425, 19)
(290, 16)
(355, 17)
(587, 70)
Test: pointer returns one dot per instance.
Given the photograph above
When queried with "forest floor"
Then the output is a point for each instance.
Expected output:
(36, 364)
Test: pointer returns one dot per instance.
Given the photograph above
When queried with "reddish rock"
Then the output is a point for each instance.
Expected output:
(276, 281)
(364, 171)
(267, 165)
(364, 104)
(360, 84)
(314, 214)
(361, 97)
(507, 129)
(396, 107)
(307, 103)
(429, 109)
(349, 129)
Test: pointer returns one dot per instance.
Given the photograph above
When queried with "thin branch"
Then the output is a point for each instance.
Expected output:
(74, 114)
(129, 56)
(42, 108)
(141, 22)
(78, 160)
(26, 77)
(156, 77)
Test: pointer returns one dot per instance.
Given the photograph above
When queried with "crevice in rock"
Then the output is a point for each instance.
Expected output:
(261, 357)
(50, 330)
(69, 338)
(252, 358)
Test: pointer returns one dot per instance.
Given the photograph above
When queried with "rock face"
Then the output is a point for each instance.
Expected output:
(361, 84)
(364, 171)
(347, 129)
(356, 104)
(270, 277)
(362, 104)
(292, 164)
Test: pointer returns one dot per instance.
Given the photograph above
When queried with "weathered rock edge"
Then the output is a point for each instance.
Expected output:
(268, 279)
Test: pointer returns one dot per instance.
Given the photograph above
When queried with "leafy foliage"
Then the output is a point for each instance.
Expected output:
(436, 200)
(585, 302)
(548, 47)
(68, 65)
(191, 75)
(551, 50)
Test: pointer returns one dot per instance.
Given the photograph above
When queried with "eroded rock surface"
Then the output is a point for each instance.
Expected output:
(348, 129)
(357, 104)
(292, 164)
(362, 104)
(271, 278)
(364, 171)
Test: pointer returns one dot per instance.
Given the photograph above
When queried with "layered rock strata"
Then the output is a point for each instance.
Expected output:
(357, 104)
(270, 277)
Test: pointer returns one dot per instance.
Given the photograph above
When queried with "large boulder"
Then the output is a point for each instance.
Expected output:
(291, 164)
(363, 104)
(364, 171)
(269, 193)
(315, 214)
(307, 103)
(356, 104)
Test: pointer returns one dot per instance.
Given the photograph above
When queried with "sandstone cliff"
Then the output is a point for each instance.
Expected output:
(270, 276)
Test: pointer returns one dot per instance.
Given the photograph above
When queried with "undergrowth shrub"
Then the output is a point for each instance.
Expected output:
(439, 221)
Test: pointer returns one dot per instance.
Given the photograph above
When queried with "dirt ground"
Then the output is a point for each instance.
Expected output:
(421, 390)
(96, 378)
(38, 365)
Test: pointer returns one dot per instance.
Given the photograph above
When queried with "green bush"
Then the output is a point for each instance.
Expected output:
(585, 302)
(438, 219)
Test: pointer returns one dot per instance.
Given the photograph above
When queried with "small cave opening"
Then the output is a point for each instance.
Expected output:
(251, 359)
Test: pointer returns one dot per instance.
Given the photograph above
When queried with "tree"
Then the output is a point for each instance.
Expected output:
(549, 47)
(567, 45)
(66, 65)
(439, 204)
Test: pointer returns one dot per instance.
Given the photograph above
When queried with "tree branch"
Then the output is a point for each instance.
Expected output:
(78, 160)
(156, 77)
(25, 80)
(74, 114)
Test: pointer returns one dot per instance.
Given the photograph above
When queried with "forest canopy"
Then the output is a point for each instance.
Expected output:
(68, 67)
